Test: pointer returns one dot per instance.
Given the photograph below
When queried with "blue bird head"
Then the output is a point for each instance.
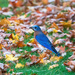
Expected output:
(36, 28)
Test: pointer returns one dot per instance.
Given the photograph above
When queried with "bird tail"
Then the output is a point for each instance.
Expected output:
(58, 54)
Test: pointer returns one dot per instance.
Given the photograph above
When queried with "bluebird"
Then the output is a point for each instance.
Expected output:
(42, 39)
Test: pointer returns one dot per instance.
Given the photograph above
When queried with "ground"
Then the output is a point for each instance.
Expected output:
(37, 69)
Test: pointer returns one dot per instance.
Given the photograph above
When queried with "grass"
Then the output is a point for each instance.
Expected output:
(37, 69)
(3, 3)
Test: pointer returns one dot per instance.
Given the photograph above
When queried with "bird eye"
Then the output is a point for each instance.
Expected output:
(35, 27)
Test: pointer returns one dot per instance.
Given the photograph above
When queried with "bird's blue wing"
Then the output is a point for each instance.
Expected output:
(44, 41)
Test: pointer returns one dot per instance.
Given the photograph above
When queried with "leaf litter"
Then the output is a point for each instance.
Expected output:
(53, 22)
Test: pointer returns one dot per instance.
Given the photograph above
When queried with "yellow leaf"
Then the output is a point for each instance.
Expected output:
(55, 58)
(19, 65)
(42, 55)
(53, 66)
(25, 15)
(10, 57)
(4, 21)
(13, 41)
(55, 31)
(66, 24)
(11, 24)
(41, 61)
(15, 37)
(32, 41)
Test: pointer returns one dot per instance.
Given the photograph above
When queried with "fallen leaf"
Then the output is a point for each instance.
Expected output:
(33, 58)
(61, 49)
(19, 65)
(66, 24)
(1, 46)
(59, 41)
(45, 1)
(55, 58)
(53, 66)
(54, 25)
(4, 21)
(20, 44)
(10, 57)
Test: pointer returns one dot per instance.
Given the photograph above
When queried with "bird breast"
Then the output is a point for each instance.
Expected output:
(36, 33)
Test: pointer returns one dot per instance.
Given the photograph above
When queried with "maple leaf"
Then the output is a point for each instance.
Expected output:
(33, 58)
(10, 57)
(20, 44)
(33, 41)
(53, 66)
(4, 21)
(49, 9)
(66, 24)
(19, 65)
(0, 8)
(19, 21)
(1, 46)
(42, 55)
(16, 37)
(42, 61)
(59, 41)
(5, 29)
(60, 15)
(54, 25)
(45, 1)
(61, 49)
(55, 58)
(55, 31)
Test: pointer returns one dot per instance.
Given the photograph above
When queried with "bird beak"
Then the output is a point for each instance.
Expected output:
(30, 27)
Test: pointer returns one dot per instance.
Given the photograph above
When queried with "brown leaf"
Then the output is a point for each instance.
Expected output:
(67, 63)
(73, 56)
(32, 63)
(33, 58)
(61, 49)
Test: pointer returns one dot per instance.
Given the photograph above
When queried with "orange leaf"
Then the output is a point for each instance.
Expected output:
(19, 21)
(42, 55)
(20, 44)
(49, 9)
(4, 21)
(45, 1)
(60, 15)
(5, 29)
(0, 8)
(1, 46)
(54, 25)
(18, 3)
